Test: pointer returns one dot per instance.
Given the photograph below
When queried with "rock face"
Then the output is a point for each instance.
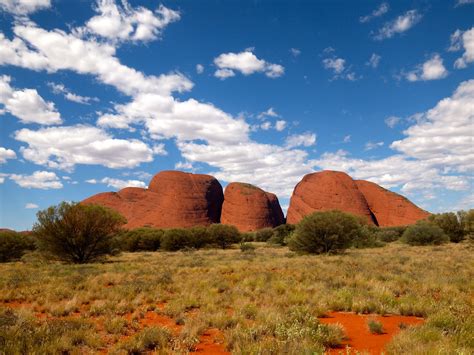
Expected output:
(389, 208)
(173, 199)
(249, 208)
(327, 190)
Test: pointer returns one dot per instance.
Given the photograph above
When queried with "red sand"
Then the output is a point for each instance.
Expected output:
(358, 334)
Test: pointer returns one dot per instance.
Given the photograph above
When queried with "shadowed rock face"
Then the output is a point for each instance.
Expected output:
(249, 208)
(389, 208)
(173, 199)
(327, 190)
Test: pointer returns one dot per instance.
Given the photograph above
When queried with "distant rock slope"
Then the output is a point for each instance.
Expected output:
(173, 199)
(328, 190)
(250, 208)
(389, 208)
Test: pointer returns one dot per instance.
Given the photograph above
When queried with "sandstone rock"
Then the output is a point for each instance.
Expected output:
(327, 190)
(173, 199)
(250, 208)
(390, 209)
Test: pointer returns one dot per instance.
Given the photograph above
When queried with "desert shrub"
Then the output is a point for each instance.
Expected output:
(141, 239)
(247, 247)
(262, 235)
(466, 219)
(375, 327)
(200, 236)
(367, 238)
(450, 224)
(424, 233)
(176, 239)
(323, 232)
(390, 234)
(224, 235)
(77, 233)
(13, 245)
(281, 234)
(248, 237)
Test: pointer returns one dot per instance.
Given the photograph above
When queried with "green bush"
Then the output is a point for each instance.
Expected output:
(367, 238)
(176, 239)
(323, 232)
(78, 233)
(424, 233)
(390, 234)
(248, 236)
(224, 235)
(13, 245)
(450, 224)
(281, 234)
(262, 235)
(141, 239)
(200, 236)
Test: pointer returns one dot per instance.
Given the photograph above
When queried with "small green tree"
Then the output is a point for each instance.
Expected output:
(323, 232)
(424, 233)
(78, 233)
(224, 235)
(176, 239)
(13, 245)
(262, 235)
(450, 224)
(141, 239)
(281, 234)
(466, 219)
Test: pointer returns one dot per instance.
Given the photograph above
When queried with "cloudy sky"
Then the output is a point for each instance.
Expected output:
(96, 96)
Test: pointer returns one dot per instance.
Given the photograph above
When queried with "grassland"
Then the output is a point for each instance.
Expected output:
(266, 300)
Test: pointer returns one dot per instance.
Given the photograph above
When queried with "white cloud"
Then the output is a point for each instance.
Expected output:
(61, 89)
(346, 139)
(44, 180)
(24, 7)
(280, 125)
(295, 52)
(460, 39)
(266, 125)
(6, 154)
(305, 140)
(121, 184)
(268, 113)
(27, 104)
(247, 63)
(392, 121)
(125, 23)
(381, 10)
(31, 206)
(464, 2)
(401, 24)
(335, 64)
(199, 68)
(373, 145)
(64, 147)
(432, 69)
(184, 166)
(374, 60)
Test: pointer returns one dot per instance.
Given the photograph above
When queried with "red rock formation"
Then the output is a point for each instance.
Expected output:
(327, 190)
(249, 208)
(389, 208)
(173, 199)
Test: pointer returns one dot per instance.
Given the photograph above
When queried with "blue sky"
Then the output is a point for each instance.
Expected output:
(96, 96)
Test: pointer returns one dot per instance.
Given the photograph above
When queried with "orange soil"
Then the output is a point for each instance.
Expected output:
(357, 331)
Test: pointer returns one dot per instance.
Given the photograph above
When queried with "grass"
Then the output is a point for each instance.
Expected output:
(266, 301)
(375, 327)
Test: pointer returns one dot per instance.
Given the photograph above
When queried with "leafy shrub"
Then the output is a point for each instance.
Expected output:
(375, 327)
(200, 236)
(77, 233)
(367, 238)
(323, 232)
(248, 237)
(263, 235)
(141, 239)
(450, 224)
(176, 239)
(13, 245)
(281, 234)
(466, 219)
(424, 233)
(247, 247)
(390, 234)
(224, 235)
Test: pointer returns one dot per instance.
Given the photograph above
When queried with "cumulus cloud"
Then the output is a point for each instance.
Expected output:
(392, 121)
(199, 68)
(374, 60)
(379, 11)
(118, 184)
(280, 125)
(337, 65)
(31, 206)
(125, 23)
(43, 180)
(463, 40)
(295, 52)
(26, 104)
(64, 147)
(432, 69)
(399, 25)
(24, 7)
(247, 63)
(373, 145)
(268, 113)
(68, 95)
(6, 154)
(306, 139)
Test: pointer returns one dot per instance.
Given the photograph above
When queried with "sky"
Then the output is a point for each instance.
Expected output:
(99, 95)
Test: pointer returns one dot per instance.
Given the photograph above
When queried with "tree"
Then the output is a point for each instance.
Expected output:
(77, 233)
(323, 232)
(13, 245)
(424, 233)
(224, 235)
(450, 224)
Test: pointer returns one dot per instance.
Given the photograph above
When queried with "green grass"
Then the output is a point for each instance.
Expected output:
(266, 301)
